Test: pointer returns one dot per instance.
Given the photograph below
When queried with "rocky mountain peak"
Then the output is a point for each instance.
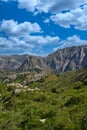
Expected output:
(62, 60)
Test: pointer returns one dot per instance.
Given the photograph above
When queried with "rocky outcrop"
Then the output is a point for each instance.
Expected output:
(62, 60)
(33, 62)
(68, 59)
(12, 62)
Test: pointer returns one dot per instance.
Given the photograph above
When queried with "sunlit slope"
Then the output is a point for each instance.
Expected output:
(59, 103)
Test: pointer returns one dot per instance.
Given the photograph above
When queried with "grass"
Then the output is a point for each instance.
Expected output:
(62, 101)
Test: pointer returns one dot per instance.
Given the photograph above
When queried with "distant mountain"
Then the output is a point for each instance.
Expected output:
(12, 62)
(33, 62)
(62, 60)
(68, 59)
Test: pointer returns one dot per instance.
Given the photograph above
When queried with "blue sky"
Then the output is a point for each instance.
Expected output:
(40, 27)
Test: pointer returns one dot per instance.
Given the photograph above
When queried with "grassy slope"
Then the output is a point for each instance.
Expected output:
(62, 101)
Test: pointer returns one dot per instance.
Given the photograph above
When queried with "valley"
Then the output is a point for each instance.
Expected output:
(55, 102)
(44, 93)
(43, 65)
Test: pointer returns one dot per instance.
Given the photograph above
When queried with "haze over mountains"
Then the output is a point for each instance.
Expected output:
(62, 60)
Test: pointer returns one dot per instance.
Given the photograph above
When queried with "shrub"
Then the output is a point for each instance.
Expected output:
(84, 122)
(72, 101)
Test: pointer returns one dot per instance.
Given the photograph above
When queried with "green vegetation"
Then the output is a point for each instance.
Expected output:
(61, 102)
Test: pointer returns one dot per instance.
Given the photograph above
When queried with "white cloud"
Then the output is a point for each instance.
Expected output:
(12, 43)
(76, 17)
(29, 5)
(19, 34)
(19, 39)
(46, 21)
(71, 41)
(63, 20)
(74, 41)
(40, 40)
(26, 44)
(35, 44)
(12, 27)
(61, 5)
(48, 5)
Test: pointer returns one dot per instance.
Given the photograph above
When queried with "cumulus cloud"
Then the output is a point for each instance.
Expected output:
(12, 43)
(46, 21)
(18, 38)
(71, 41)
(48, 5)
(27, 44)
(76, 17)
(65, 13)
(61, 5)
(28, 4)
(40, 40)
(12, 27)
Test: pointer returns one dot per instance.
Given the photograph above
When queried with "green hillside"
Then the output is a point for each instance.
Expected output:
(55, 102)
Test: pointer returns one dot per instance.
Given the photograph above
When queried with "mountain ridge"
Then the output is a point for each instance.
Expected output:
(65, 59)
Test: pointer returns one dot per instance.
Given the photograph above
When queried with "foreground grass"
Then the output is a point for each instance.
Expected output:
(61, 101)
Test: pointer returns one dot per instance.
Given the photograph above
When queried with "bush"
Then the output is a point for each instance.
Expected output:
(84, 122)
(54, 90)
(50, 114)
(41, 98)
(58, 127)
(72, 101)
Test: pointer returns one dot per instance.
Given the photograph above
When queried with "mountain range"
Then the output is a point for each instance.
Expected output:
(62, 60)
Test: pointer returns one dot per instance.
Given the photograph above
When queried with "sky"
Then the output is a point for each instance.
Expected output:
(40, 27)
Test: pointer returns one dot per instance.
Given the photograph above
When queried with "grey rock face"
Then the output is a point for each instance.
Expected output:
(34, 62)
(68, 59)
(11, 62)
(62, 60)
